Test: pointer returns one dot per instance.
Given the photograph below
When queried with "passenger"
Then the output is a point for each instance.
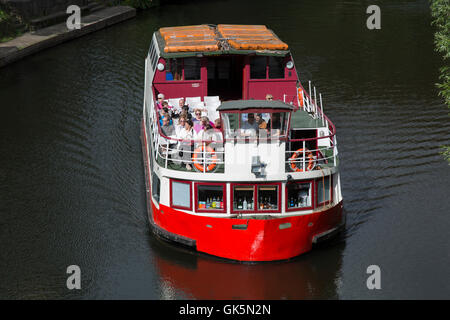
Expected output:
(217, 130)
(217, 125)
(269, 97)
(176, 110)
(197, 120)
(260, 121)
(186, 146)
(167, 128)
(164, 113)
(250, 127)
(160, 101)
(180, 126)
(205, 134)
(165, 104)
(185, 110)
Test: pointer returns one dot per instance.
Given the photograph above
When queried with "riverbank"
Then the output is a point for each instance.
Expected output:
(35, 41)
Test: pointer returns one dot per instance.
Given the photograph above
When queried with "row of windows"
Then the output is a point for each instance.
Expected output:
(153, 54)
(189, 68)
(267, 68)
(250, 198)
(183, 69)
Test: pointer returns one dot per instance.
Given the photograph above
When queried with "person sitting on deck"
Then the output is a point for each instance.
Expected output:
(176, 110)
(186, 146)
(260, 121)
(167, 128)
(185, 110)
(164, 113)
(197, 120)
(180, 126)
(250, 127)
(269, 97)
(217, 125)
(160, 101)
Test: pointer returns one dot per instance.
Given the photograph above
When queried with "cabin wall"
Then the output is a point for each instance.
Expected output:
(258, 88)
(184, 88)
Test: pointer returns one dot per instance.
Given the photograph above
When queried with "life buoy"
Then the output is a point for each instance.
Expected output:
(300, 97)
(308, 154)
(199, 151)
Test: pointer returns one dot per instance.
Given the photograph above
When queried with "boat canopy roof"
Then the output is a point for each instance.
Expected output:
(206, 39)
(237, 105)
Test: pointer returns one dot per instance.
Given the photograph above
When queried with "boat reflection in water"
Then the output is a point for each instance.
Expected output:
(312, 276)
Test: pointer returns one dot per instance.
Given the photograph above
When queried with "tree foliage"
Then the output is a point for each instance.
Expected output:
(440, 12)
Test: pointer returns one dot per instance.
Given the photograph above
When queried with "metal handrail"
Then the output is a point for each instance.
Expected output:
(308, 103)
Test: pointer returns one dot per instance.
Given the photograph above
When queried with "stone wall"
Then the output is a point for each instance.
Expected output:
(29, 9)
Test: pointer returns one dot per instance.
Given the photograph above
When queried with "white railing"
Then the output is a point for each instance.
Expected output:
(305, 101)
(209, 156)
(304, 159)
(202, 155)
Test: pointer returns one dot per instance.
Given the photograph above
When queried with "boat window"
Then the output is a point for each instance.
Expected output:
(211, 197)
(276, 68)
(174, 70)
(152, 54)
(230, 122)
(243, 198)
(191, 69)
(277, 124)
(155, 187)
(299, 195)
(268, 197)
(258, 67)
(323, 190)
(265, 124)
(181, 194)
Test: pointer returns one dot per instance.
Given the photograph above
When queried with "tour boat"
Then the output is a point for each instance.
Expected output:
(258, 179)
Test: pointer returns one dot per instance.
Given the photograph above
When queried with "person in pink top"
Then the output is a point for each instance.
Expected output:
(160, 101)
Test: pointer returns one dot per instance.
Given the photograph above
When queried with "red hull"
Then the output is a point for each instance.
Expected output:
(263, 240)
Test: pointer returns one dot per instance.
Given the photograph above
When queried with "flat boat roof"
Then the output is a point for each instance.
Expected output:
(254, 104)
(190, 41)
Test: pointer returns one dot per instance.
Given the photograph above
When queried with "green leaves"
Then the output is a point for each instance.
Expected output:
(440, 11)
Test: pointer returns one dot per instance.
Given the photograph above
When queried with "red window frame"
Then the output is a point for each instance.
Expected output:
(278, 185)
(190, 194)
(317, 190)
(224, 188)
(267, 70)
(166, 69)
(255, 197)
(313, 195)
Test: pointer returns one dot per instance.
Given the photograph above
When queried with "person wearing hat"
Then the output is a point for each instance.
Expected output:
(160, 101)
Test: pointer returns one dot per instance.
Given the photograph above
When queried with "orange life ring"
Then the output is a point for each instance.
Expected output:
(198, 165)
(300, 96)
(308, 154)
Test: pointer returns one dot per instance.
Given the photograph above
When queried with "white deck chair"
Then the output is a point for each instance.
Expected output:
(174, 102)
(190, 101)
(211, 100)
(213, 114)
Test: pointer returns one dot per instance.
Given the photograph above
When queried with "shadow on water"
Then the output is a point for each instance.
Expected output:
(314, 275)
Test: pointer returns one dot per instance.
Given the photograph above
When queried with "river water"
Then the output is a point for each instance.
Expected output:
(72, 180)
